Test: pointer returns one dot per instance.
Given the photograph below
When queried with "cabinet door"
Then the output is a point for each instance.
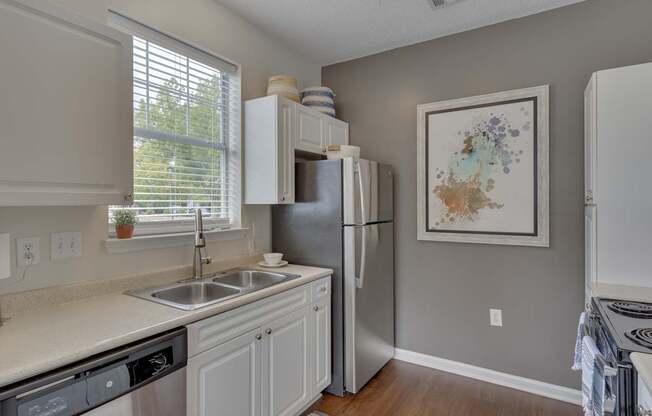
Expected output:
(285, 167)
(286, 381)
(321, 346)
(590, 251)
(310, 130)
(67, 129)
(338, 132)
(226, 380)
(590, 142)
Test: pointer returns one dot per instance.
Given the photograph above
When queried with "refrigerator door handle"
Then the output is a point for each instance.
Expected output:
(359, 281)
(363, 208)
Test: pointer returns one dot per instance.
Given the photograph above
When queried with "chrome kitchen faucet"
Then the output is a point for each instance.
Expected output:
(200, 257)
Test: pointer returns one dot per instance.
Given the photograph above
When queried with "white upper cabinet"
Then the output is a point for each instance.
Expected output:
(310, 135)
(66, 133)
(274, 128)
(337, 132)
(617, 147)
(269, 151)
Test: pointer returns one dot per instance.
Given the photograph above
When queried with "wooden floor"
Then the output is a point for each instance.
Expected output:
(402, 389)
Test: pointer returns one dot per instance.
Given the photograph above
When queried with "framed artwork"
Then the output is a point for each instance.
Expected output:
(483, 169)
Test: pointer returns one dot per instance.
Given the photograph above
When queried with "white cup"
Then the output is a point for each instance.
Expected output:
(273, 258)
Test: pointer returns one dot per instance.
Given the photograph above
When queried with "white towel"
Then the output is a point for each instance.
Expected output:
(589, 353)
(599, 396)
(594, 395)
(577, 359)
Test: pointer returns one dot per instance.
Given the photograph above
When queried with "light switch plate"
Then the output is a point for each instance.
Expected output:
(28, 251)
(65, 245)
(75, 244)
(5, 256)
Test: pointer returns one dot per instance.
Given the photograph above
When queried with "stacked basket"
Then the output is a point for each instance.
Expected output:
(283, 85)
(320, 98)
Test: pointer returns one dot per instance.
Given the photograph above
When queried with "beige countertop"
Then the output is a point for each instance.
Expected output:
(643, 364)
(35, 342)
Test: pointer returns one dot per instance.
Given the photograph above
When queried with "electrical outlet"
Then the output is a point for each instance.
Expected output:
(65, 245)
(496, 317)
(28, 251)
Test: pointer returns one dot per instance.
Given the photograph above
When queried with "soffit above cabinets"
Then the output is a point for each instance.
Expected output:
(334, 31)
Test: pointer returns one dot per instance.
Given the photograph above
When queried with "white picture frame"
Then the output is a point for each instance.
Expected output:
(512, 224)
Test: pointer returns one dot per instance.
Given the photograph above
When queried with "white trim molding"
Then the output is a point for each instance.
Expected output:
(150, 242)
(539, 388)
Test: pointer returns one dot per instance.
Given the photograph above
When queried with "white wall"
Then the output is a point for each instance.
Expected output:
(210, 26)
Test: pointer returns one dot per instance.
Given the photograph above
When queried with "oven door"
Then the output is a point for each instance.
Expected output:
(621, 389)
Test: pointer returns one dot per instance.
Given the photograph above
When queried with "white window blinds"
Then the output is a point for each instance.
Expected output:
(186, 134)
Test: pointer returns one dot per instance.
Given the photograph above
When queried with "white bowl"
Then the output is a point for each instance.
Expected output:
(273, 258)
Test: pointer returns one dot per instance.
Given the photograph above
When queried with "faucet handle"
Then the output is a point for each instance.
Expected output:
(207, 260)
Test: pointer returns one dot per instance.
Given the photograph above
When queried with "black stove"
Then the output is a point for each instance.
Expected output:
(632, 309)
(619, 328)
(629, 325)
(641, 336)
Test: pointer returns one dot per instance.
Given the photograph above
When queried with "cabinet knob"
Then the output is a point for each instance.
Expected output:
(259, 337)
(268, 331)
(316, 308)
(322, 289)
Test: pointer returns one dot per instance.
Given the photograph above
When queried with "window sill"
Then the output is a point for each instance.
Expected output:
(151, 242)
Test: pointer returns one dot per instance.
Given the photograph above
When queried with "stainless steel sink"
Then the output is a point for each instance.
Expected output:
(251, 279)
(195, 293)
(219, 287)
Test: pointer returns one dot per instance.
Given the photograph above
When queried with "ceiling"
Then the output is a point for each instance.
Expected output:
(330, 31)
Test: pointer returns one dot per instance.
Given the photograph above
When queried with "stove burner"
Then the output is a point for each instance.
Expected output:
(633, 309)
(641, 336)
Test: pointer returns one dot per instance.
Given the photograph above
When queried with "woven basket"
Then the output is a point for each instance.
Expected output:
(283, 85)
(320, 98)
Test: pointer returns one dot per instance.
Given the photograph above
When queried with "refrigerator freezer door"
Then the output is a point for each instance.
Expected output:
(368, 192)
(368, 301)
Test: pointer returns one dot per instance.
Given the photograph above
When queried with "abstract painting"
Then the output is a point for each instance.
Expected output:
(483, 169)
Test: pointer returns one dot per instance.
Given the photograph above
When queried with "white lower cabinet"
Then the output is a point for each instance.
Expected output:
(321, 353)
(287, 365)
(226, 380)
(277, 368)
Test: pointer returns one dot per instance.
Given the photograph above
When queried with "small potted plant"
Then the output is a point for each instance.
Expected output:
(124, 221)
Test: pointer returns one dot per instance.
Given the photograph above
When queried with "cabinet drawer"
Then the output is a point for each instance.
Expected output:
(218, 329)
(321, 289)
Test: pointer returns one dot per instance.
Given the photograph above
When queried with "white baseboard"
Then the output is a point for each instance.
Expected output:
(539, 388)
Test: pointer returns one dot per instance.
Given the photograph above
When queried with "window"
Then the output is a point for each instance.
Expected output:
(186, 110)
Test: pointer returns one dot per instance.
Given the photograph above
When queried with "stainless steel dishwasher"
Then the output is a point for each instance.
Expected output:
(146, 378)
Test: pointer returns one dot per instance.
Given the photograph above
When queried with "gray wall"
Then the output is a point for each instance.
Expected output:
(444, 291)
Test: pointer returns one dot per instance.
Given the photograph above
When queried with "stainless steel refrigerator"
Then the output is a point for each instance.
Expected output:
(342, 219)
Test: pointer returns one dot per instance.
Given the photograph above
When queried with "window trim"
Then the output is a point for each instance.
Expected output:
(232, 155)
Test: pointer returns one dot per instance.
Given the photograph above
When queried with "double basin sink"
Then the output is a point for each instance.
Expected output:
(210, 290)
